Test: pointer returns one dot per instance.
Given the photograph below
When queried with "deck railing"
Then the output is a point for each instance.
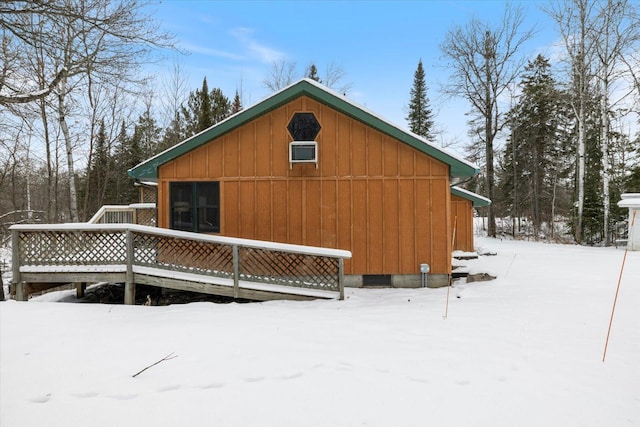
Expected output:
(136, 213)
(169, 258)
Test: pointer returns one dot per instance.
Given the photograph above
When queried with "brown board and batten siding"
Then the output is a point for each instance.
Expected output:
(386, 202)
(378, 191)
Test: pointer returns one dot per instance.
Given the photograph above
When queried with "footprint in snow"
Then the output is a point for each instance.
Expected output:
(41, 399)
(210, 385)
(345, 366)
(169, 388)
(86, 395)
(290, 376)
(123, 396)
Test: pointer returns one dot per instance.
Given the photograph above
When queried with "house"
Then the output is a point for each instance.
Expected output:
(462, 204)
(308, 166)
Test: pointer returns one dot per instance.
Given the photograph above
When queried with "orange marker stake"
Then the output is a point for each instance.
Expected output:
(615, 299)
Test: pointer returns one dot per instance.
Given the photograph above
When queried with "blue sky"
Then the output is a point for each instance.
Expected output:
(377, 43)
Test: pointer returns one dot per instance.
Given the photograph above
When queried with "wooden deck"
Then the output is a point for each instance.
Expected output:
(49, 255)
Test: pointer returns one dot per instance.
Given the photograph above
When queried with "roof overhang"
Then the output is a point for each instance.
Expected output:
(478, 200)
(630, 200)
(458, 167)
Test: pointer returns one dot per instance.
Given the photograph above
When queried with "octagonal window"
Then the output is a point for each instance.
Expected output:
(304, 127)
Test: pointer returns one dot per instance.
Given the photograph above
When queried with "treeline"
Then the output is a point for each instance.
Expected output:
(537, 171)
(557, 146)
(556, 143)
(70, 76)
(105, 180)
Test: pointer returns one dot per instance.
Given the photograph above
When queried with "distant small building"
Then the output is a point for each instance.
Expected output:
(632, 201)
(462, 204)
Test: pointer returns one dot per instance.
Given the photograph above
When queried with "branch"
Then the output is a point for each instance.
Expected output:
(23, 98)
(20, 211)
(167, 357)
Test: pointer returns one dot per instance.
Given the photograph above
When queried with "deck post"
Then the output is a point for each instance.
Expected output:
(129, 286)
(80, 288)
(15, 266)
(341, 277)
(21, 294)
(236, 271)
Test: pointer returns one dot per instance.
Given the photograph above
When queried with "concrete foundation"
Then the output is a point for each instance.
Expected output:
(400, 281)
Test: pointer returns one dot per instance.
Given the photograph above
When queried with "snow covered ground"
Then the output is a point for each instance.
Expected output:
(522, 350)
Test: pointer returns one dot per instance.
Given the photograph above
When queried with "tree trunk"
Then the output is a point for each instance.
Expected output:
(582, 117)
(606, 197)
(537, 192)
(73, 198)
(50, 217)
(1, 286)
(488, 55)
(607, 60)
(581, 167)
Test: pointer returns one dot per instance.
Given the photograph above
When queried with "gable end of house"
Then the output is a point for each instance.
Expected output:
(306, 87)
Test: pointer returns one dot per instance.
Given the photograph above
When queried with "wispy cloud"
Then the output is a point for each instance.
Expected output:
(216, 53)
(256, 49)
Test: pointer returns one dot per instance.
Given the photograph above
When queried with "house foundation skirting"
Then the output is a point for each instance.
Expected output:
(395, 280)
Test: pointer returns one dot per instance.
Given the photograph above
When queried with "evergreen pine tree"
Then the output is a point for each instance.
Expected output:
(204, 113)
(312, 73)
(220, 106)
(204, 109)
(236, 105)
(127, 154)
(531, 167)
(147, 135)
(100, 170)
(94, 181)
(172, 134)
(632, 181)
(420, 116)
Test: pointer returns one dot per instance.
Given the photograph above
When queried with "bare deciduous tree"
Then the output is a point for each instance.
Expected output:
(281, 75)
(572, 18)
(334, 76)
(601, 39)
(284, 73)
(484, 64)
(175, 89)
(81, 44)
(616, 35)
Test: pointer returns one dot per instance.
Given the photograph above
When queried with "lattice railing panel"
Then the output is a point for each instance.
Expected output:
(148, 195)
(183, 255)
(146, 217)
(72, 248)
(289, 269)
(175, 252)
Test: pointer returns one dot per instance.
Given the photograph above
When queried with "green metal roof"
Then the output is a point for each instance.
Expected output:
(477, 199)
(306, 87)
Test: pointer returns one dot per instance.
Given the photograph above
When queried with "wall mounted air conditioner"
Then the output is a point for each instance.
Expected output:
(303, 152)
